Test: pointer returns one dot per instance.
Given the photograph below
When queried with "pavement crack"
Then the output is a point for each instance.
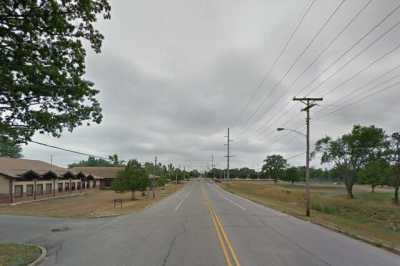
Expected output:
(172, 242)
(293, 242)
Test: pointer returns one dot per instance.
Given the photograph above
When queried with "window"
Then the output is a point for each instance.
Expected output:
(29, 190)
(73, 186)
(79, 185)
(60, 187)
(39, 189)
(18, 190)
(49, 188)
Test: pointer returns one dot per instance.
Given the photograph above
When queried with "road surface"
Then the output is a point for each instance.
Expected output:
(199, 225)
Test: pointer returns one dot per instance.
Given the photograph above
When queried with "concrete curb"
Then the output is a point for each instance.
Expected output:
(41, 257)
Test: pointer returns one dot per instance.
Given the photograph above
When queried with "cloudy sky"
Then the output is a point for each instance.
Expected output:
(174, 75)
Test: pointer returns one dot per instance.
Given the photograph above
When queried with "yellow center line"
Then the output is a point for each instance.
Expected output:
(222, 236)
(228, 241)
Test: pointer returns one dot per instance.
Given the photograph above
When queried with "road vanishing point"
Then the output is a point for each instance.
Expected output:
(199, 225)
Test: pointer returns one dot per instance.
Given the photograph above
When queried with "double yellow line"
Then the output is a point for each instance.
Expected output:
(226, 245)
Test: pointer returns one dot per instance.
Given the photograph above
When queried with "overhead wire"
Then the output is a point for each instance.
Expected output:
(263, 101)
(357, 55)
(323, 51)
(68, 150)
(270, 69)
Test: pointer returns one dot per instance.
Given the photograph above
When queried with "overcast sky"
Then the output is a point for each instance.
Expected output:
(174, 75)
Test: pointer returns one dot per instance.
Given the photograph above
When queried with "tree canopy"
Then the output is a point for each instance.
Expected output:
(42, 64)
(274, 166)
(351, 152)
(9, 148)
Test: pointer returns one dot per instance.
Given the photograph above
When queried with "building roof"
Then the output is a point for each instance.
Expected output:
(99, 171)
(12, 167)
(24, 168)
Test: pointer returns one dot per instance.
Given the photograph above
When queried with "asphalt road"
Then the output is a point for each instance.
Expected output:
(199, 225)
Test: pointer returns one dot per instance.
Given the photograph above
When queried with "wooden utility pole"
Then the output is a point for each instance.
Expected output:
(309, 103)
(228, 155)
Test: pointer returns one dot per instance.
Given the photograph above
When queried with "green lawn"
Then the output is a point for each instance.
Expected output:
(18, 255)
(370, 216)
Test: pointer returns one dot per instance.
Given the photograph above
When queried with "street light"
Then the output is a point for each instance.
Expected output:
(292, 130)
(308, 195)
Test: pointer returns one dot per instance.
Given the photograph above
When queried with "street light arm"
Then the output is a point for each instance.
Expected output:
(292, 130)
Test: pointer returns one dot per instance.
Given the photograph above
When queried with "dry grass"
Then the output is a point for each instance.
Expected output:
(371, 216)
(18, 255)
(96, 203)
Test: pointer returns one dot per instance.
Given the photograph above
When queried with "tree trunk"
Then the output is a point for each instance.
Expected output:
(349, 188)
(373, 188)
(396, 195)
(133, 195)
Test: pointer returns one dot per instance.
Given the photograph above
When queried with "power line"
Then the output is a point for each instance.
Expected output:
(352, 46)
(361, 99)
(358, 54)
(68, 150)
(353, 58)
(295, 62)
(330, 43)
(295, 156)
(367, 84)
(356, 74)
(277, 58)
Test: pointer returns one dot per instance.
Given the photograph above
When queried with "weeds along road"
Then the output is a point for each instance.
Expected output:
(199, 225)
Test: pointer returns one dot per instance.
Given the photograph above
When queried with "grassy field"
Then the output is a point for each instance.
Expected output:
(96, 203)
(18, 255)
(371, 216)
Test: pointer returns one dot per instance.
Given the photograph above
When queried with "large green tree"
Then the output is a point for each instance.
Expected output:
(351, 152)
(9, 148)
(42, 65)
(274, 167)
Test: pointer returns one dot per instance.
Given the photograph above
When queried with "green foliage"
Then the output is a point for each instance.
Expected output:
(194, 173)
(91, 161)
(351, 152)
(274, 167)
(162, 181)
(132, 178)
(9, 148)
(375, 173)
(292, 174)
(42, 65)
